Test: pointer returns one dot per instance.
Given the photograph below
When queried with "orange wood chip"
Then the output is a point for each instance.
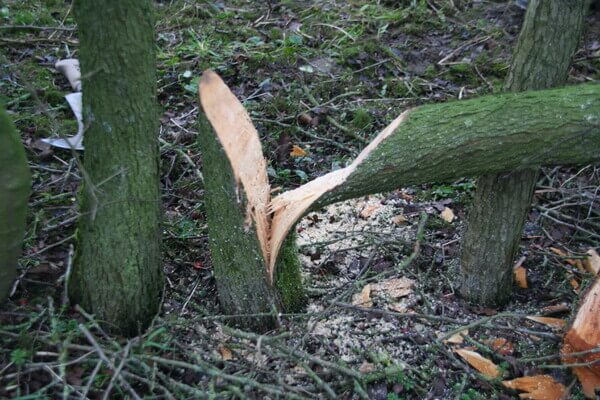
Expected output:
(555, 323)
(537, 387)
(584, 335)
(480, 363)
(520, 274)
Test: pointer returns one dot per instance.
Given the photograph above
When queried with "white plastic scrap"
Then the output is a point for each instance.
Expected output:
(70, 68)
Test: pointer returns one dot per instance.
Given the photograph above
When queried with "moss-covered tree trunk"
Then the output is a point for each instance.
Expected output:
(15, 185)
(547, 41)
(118, 273)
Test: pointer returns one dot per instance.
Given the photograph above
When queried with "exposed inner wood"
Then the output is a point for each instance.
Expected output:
(584, 335)
(289, 207)
(241, 144)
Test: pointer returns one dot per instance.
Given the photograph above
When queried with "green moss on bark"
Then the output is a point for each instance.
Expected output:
(288, 278)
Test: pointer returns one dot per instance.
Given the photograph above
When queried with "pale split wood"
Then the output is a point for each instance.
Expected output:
(241, 144)
(289, 207)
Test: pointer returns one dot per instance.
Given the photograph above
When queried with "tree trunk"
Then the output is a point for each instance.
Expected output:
(236, 199)
(15, 185)
(547, 41)
(444, 142)
(118, 271)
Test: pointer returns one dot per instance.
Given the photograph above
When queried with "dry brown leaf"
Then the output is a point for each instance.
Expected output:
(592, 263)
(363, 299)
(399, 219)
(500, 346)
(480, 363)
(537, 387)
(555, 323)
(447, 215)
(584, 335)
(520, 274)
(394, 288)
(224, 352)
(305, 118)
(297, 151)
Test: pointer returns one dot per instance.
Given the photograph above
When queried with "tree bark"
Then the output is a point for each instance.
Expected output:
(444, 142)
(547, 41)
(15, 186)
(117, 271)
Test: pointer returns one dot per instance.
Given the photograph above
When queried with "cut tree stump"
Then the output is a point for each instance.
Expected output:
(237, 198)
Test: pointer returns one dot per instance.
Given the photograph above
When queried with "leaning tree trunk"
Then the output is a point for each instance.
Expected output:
(547, 41)
(236, 198)
(15, 185)
(117, 273)
(432, 143)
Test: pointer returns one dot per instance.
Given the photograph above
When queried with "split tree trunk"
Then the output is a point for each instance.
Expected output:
(118, 273)
(547, 41)
(445, 142)
(432, 143)
(15, 185)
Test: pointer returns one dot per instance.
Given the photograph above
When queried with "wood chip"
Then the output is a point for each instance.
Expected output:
(363, 299)
(394, 288)
(537, 387)
(584, 335)
(447, 215)
(555, 323)
(480, 363)
(592, 263)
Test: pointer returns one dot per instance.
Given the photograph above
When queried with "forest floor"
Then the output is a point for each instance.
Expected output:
(320, 78)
